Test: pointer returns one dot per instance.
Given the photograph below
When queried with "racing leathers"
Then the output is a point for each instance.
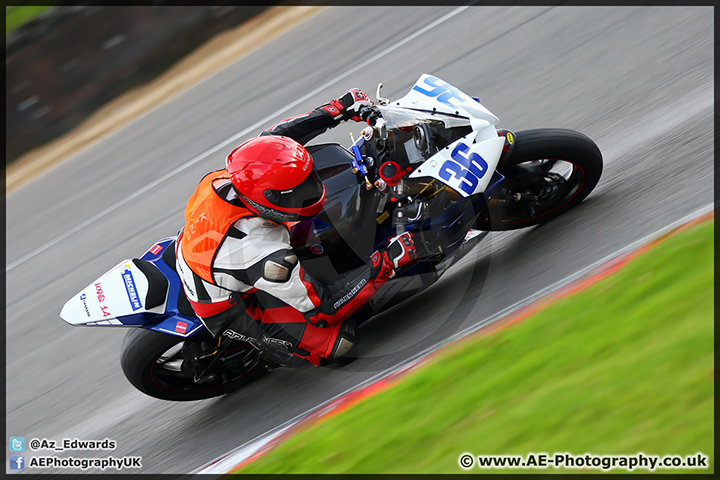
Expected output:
(243, 279)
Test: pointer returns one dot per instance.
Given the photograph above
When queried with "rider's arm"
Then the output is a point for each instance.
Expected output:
(280, 281)
(332, 308)
(305, 127)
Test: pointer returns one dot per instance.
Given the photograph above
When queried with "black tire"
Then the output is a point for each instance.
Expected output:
(143, 362)
(531, 169)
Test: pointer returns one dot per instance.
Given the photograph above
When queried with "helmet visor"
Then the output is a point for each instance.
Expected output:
(308, 193)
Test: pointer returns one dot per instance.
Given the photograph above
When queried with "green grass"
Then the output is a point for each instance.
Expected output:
(17, 16)
(625, 366)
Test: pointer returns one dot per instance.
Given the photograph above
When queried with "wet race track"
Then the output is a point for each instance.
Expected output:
(638, 81)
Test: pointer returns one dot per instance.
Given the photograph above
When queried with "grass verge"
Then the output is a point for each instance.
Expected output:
(625, 366)
(17, 16)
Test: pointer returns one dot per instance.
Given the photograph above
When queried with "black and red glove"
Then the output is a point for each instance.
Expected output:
(400, 252)
(401, 249)
(348, 106)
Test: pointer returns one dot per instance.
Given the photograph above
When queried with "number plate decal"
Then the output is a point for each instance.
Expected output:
(464, 166)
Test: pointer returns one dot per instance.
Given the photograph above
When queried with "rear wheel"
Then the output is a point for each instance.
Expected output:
(549, 172)
(152, 362)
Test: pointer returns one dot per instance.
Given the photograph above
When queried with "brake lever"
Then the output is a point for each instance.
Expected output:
(381, 100)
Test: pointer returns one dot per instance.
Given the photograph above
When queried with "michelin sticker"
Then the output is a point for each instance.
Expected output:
(131, 289)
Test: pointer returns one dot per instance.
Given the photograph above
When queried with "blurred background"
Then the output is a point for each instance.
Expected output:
(64, 62)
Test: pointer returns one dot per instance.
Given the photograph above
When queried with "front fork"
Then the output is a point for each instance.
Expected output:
(509, 144)
(497, 195)
(200, 359)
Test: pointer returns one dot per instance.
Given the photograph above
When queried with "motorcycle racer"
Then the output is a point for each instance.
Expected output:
(234, 256)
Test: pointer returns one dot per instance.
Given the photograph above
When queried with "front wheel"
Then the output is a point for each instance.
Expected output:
(549, 172)
(152, 362)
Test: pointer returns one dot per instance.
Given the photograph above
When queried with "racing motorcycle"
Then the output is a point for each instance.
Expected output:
(432, 163)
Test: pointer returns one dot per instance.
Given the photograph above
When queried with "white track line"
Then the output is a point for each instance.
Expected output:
(227, 462)
(234, 138)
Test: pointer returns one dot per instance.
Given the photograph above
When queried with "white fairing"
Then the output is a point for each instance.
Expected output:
(430, 92)
(467, 164)
(119, 292)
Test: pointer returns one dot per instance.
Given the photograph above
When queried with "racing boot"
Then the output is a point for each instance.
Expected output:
(345, 349)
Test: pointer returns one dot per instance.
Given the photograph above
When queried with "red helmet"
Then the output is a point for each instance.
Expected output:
(276, 178)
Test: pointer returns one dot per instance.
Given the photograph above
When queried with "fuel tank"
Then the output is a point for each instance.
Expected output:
(342, 237)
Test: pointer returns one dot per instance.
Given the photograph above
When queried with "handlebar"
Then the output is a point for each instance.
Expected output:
(370, 113)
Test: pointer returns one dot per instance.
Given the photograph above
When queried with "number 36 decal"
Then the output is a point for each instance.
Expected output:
(444, 92)
(468, 169)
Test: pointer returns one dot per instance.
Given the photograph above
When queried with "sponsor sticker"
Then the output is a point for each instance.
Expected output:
(83, 298)
(131, 289)
(352, 292)
(181, 327)
(317, 249)
(101, 299)
(239, 336)
(277, 341)
(156, 249)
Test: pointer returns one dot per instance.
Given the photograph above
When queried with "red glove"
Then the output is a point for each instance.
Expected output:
(348, 106)
(400, 252)
(402, 249)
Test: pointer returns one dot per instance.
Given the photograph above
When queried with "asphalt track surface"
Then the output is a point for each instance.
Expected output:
(639, 81)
